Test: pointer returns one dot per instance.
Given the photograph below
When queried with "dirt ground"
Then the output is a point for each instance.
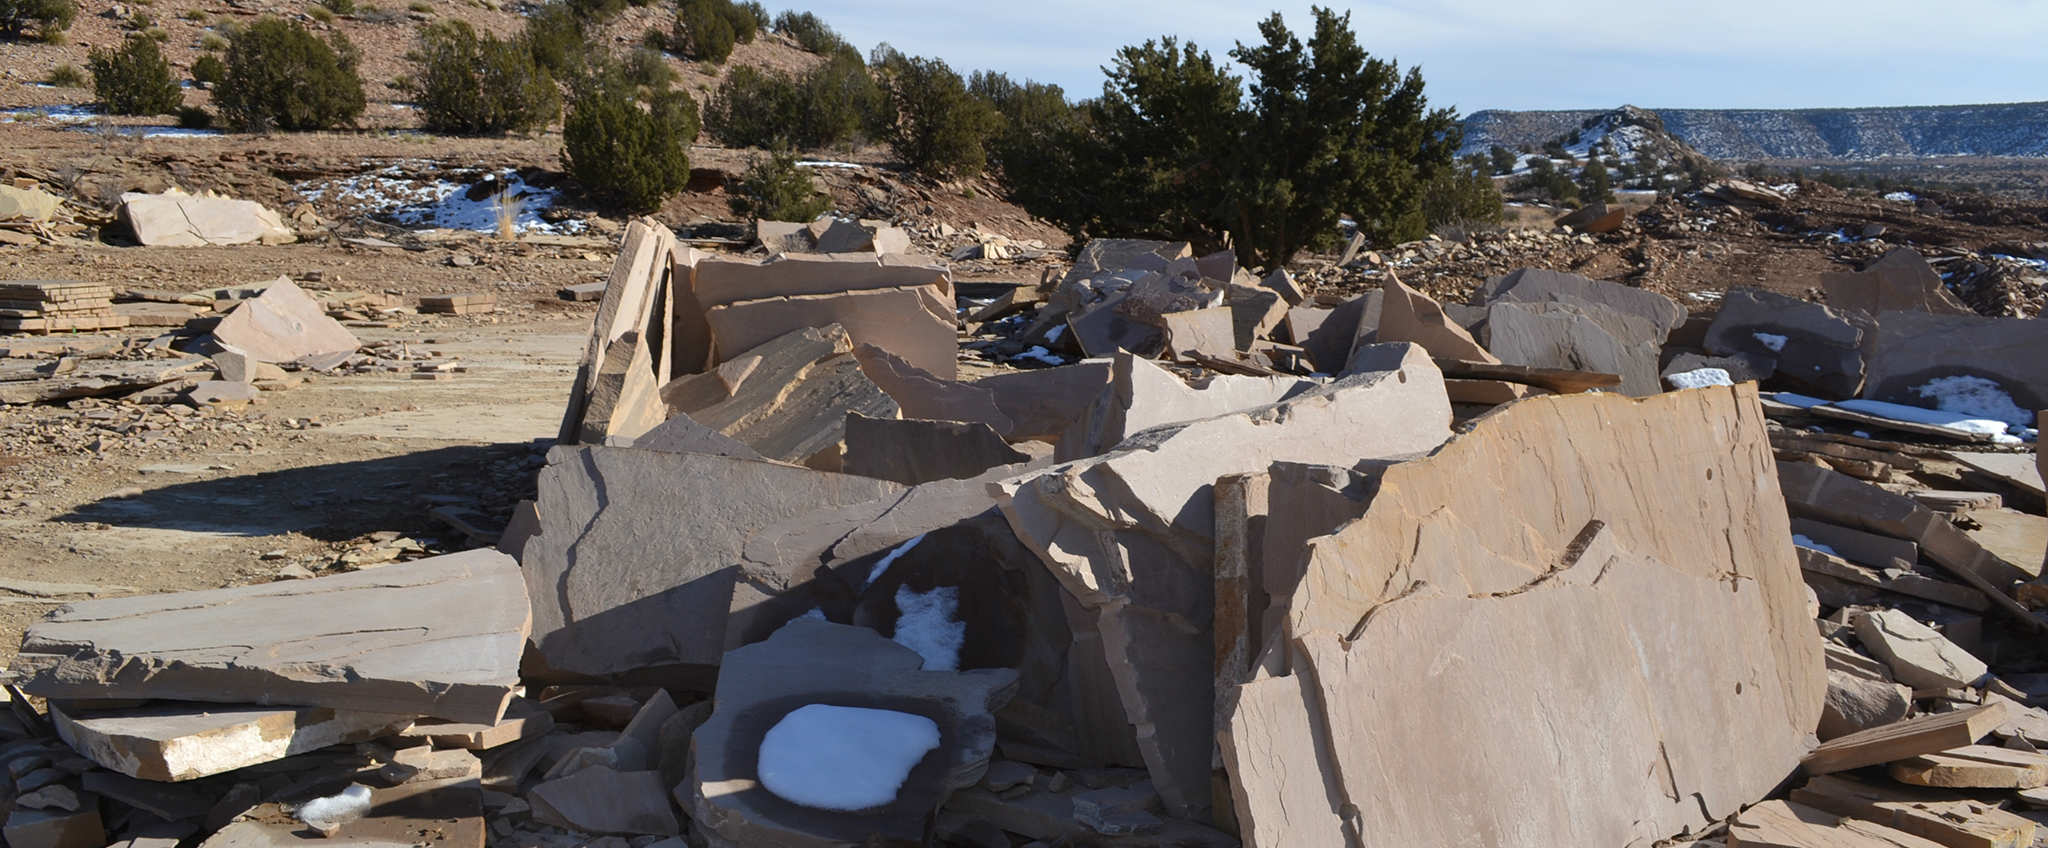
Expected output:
(128, 497)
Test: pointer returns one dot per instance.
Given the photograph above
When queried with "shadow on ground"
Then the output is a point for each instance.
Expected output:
(331, 503)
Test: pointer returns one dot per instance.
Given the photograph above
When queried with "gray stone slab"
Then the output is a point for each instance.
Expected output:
(1043, 402)
(912, 451)
(638, 550)
(1814, 346)
(1901, 280)
(1913, 348)
(1562, 335)
(1142, 395)
(1536, 285)
(377, 641)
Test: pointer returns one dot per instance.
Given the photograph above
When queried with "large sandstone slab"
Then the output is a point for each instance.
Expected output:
(1142, 395)
(1407, 315)
(283, 324)
(1549, 659)
(186, 741)
(721, 281)
(1814, 345)
(1898, 281)
(912, 450)
(1130, 535)
(1043, 402)
(638, 290)
(1914, 348)
(787, 399)
(1562, 335)
(1827, 495)
(816, 662)
(175, 219)
(381, 640)
(1537, 285)
(918, 394)
(913, 323)
(638, 550)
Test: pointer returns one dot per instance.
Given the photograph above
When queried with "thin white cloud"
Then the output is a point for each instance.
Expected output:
(1480, 54)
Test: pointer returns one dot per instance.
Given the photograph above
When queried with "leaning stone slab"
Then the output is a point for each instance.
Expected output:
(1407, 315)
(1899, 281)
(381, 640)
(913, 323)
(634, 565)
(283, 324)
(918, 394)
(1917, 655)
(1130, 535)
(1142, 395)
(1536, 285)
(1576, 337)
(912, 450)
(1043, 402)
(817, 662)
(186, 741)
(1509, 649)
(1914, 348)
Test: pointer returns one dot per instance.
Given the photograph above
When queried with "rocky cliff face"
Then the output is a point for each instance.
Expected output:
(2005, 129)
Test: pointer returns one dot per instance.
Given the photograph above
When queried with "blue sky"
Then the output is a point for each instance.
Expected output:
(1481, 54)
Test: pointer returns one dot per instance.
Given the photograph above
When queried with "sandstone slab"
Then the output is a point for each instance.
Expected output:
(1918, 656)
(912, 451)
(1142, 395)
(1413, 624)
(1562, 335)
(1407, 315)
(634, 565)
(187, 741)
(376, 641)
(920, 395)
(283, 324)
(913, 323)
(1814, 345)
(175, 219)
(1043, 402)
(1899, 281)
(1915, 348)
(1537, 285)
(1130, 535)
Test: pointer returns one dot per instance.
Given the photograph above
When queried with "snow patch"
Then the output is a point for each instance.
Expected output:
(889, 559)
(927, 623)
(1053, 335)
(1039, 353)
(1903, 197)
(816, 163)
(1922, 415)
(1798, 400)
(1811, 545)
(1976, 397)
(1771, 340)
(1700, 378)
(843, 758)
(56, 114)
(389, 195)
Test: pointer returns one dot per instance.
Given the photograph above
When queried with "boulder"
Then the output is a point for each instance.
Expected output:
(176, 219)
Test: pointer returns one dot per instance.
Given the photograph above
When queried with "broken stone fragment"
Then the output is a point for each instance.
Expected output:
(373, 641)
(601, 800)
(1918, 656)
(1858, 703)
(814, 662)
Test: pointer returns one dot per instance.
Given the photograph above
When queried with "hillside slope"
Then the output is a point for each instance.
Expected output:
(2004, 129)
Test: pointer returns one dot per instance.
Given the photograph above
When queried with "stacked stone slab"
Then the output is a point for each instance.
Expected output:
(51, 306)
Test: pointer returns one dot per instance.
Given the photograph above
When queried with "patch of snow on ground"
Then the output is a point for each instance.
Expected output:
(882, 565)
(927, 623)
(1053, 335)
(1922, 415)
(1976, 397)
(1811, 545)
(388, 195)
(1700, 378)
(814, 163)
(843, 758)
(1708, 296)
(2039, 264)
(1771, 340)
(1902, 197)
(58, 114)
(1039, 353)
(1787, 189)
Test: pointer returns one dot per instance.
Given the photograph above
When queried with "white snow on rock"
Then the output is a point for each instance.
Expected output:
(1811, 545)
(927, 622)
(816, 163)
(1997, 430)
(388, 194)
(889, 559)
(1902, 197)
(1796, 399)
(1700, 378)
(1976, 397)
(843, 758)
(1039, 353)
(1771, 340)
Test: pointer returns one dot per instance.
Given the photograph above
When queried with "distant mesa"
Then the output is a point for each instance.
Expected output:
(2001, 129)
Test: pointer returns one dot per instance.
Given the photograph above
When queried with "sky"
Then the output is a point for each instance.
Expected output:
(1517, 54)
